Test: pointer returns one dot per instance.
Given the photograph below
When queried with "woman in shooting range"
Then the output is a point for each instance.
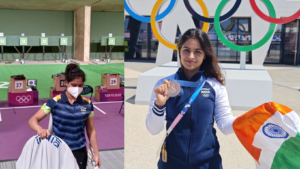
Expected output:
(189, 101)
(71, 114)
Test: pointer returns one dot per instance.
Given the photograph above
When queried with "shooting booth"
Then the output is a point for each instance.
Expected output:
(39, 48)
(107, 49)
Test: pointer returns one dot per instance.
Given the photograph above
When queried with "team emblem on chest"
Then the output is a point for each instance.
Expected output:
(83, 109)
(205, 92)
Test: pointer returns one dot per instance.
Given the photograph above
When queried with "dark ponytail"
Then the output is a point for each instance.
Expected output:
(73, 71)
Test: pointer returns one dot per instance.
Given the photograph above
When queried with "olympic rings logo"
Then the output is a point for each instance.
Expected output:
(23, 99)
(216, 21)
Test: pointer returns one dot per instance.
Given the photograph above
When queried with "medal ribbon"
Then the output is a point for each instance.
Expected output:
(187, 83)
(190, 102)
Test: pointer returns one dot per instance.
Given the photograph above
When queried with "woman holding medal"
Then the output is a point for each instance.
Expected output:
(72, 114)
(189, 101)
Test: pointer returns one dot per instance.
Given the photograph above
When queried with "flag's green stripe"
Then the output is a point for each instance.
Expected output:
(288, 155)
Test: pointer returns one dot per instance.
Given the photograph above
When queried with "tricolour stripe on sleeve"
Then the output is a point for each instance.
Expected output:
(91, 114)
(46, 109)
(87, 100)
(56, 98)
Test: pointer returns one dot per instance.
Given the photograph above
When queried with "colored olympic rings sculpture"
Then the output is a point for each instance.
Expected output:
(147, 19)
(244, 48)
(211, 20)
(273, 19)
(156, 31)
(216, 21)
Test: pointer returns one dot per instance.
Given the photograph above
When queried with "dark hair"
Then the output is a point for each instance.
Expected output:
(73, 71)
(210, 63)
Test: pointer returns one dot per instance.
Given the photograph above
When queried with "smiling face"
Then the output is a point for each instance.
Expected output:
(192, 55)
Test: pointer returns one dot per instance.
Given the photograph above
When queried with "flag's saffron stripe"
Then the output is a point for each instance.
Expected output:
(246, 126)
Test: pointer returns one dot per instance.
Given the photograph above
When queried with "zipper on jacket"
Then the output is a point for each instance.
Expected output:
(188, 154)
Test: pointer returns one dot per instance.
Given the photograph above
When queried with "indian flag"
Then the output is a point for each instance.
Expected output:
(270, 133)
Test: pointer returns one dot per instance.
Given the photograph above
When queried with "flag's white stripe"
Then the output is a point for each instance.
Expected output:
(266, 159)
(270, 146)
(292, 118)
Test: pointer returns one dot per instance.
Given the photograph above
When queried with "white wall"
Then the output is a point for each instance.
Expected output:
(180, 16)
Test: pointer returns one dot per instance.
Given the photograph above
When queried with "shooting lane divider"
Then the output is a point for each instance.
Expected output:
(157, 33)
(244, 48)
(25, 57)
(99, 109)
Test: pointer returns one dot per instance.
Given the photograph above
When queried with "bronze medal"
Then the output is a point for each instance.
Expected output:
(174, 89)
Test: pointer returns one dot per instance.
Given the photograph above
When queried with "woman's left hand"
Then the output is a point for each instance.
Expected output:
(97, 161)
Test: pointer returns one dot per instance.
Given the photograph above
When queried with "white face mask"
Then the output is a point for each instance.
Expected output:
(75, 91)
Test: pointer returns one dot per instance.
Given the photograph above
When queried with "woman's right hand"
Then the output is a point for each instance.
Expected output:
(161, 92)
(43, 133)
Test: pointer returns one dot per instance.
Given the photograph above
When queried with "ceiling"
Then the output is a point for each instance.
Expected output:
(109, 5)
(64, 5)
